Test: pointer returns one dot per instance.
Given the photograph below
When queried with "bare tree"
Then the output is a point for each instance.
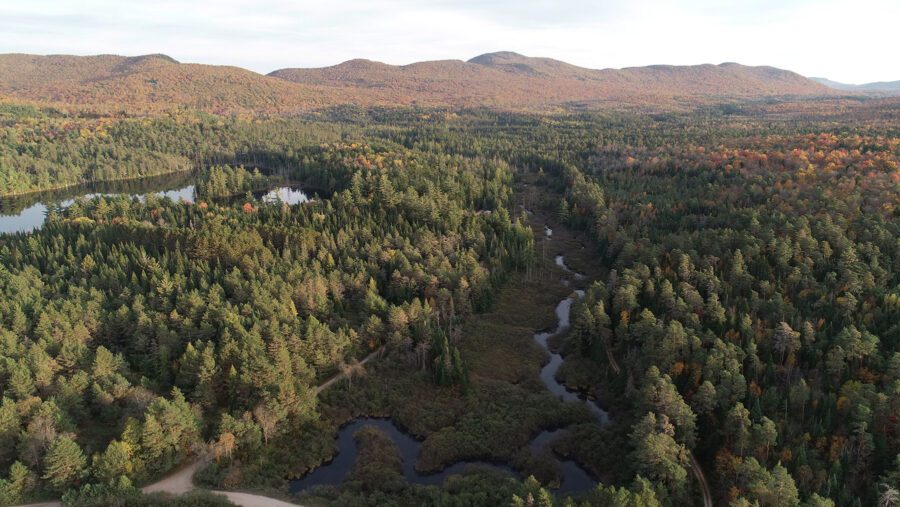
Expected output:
(267, 420)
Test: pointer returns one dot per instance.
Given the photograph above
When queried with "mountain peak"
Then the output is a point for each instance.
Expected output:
(497, 57)
(360, 63)
(156, 56)
(515, 63)
(142, 62)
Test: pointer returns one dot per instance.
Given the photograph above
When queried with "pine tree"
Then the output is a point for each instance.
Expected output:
(114, 462)
(64, 464)
(153, 440)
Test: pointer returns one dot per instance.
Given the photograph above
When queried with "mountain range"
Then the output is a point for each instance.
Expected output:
(887, 87)
(502, 80)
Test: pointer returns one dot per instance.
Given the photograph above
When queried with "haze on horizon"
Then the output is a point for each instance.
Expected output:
(843, 40)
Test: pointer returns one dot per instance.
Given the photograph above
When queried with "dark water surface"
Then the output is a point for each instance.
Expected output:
(28, 212)
(337, 470)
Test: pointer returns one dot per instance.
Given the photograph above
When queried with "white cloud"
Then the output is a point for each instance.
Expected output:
(849, 40)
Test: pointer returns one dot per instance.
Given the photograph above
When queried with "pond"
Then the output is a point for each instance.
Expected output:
(26, 213)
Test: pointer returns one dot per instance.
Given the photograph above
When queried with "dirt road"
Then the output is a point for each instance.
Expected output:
(695, 465)
(181, 480)
(178, 482)
(250, 500)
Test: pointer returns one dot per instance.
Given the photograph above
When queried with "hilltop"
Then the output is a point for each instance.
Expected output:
(149, 82)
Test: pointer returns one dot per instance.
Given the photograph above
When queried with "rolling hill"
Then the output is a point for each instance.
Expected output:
(885, 87)
(510, 80)
(150, 82)
(502, 80)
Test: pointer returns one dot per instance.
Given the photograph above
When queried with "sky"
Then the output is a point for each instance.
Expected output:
(852, 41)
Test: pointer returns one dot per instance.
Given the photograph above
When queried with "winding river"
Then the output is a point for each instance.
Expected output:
(336, 471)
(574, 478)
(548, 372)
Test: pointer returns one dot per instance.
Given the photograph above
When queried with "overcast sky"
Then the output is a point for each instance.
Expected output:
(846, 40)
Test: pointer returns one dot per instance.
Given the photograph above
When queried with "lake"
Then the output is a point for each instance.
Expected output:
(26, 213)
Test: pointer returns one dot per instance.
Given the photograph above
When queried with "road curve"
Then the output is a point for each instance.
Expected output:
(178, 482)
(251, 500)
(181, 480)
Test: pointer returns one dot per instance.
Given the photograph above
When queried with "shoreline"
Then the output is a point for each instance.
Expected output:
(94, 182)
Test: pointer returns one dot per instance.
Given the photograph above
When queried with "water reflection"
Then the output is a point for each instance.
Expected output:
(27, 213)
(548, 372)
(286, 195)
(574, 479)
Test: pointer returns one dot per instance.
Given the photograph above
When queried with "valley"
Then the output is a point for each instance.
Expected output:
(502, 281)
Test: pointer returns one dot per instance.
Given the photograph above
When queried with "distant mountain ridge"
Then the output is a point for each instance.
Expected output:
(501, 80)
(510, 79)
(892, 87)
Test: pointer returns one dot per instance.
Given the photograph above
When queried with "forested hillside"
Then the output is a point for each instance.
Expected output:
(511, 81)
(150, 84)
(740, 314)
(504, 81)
(752, 299)
(45, 149)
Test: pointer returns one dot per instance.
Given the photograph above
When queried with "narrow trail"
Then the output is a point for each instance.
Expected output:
(696, 469)
(609, 355)
(612, 361)
(701, 478)
(344, 374)
(181, 480)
